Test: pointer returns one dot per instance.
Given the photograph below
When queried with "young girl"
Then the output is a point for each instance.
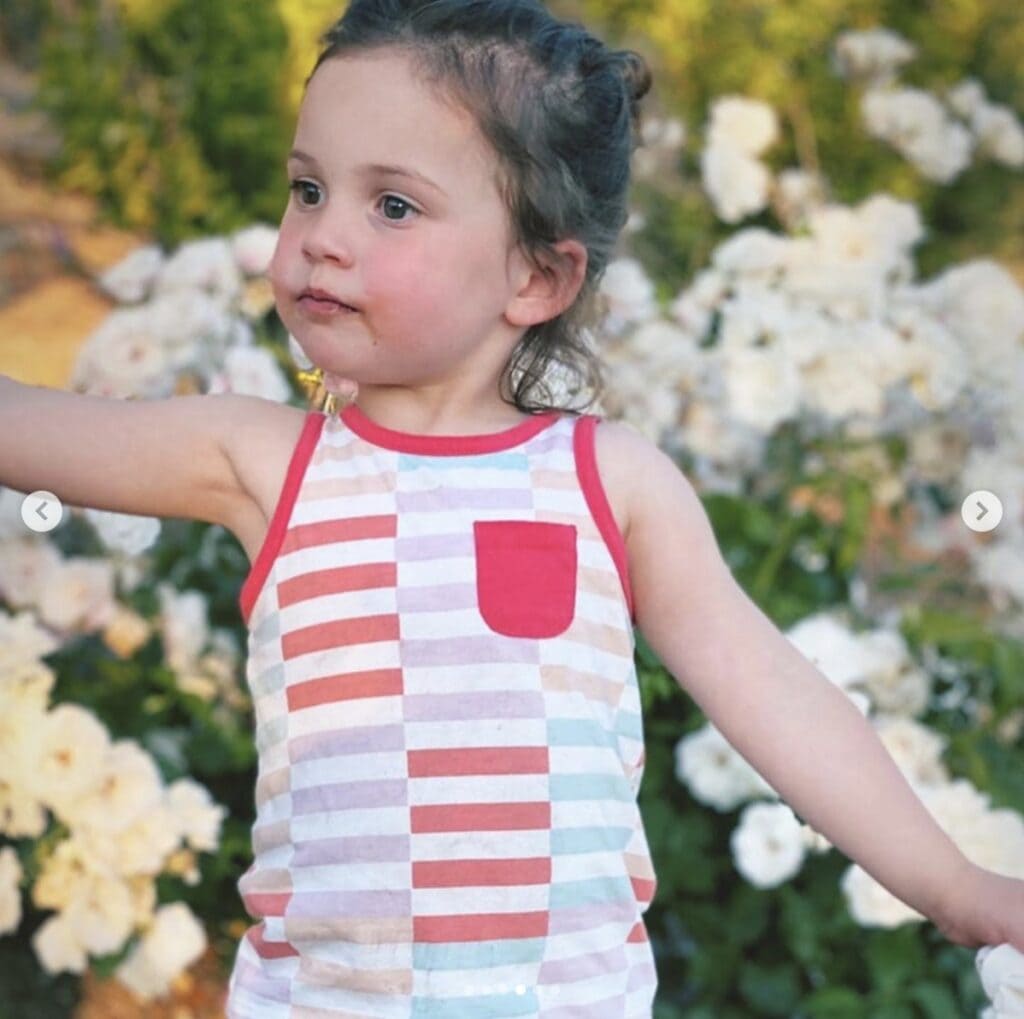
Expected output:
(446, 575)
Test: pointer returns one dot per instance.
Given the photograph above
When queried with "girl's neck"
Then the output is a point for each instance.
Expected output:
(402, 415)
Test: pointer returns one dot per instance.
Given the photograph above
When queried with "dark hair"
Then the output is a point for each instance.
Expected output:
(560, 110)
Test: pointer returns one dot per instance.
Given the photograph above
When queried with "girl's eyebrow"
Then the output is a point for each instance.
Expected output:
(370, 168)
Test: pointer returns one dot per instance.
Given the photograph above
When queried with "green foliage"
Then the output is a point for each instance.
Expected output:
(176, 122)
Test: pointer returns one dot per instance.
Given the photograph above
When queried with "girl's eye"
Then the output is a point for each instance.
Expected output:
(298, 185)
(400, 201)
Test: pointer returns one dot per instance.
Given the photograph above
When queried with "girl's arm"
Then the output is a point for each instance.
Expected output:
(162, 458)
(803, 734)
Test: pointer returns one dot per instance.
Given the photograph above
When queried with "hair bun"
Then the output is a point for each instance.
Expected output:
(636, 74)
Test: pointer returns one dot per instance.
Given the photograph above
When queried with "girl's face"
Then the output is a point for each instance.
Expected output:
(394, 209)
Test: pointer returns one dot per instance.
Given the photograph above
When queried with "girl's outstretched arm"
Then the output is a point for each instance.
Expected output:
(162, 458)
(803, 734)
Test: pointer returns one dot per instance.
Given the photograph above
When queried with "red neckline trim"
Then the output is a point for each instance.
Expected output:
(408, 442)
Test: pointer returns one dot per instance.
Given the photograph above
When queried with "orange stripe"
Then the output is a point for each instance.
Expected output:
(478, 761)
(346, 687)
(494, 873)
(339, 632)
(480, 817)
(638, 933)
(480, 927)
(318, 583)
(325, 532)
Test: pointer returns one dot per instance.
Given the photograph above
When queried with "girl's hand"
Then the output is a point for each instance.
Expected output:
(984, 908)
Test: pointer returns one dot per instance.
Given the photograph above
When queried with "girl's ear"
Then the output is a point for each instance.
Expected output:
(544, 295)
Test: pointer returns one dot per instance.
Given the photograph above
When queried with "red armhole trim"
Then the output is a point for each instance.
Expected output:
(597, 499)
(279, 523)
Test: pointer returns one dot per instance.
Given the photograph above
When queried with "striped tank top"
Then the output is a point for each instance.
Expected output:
(448, 724)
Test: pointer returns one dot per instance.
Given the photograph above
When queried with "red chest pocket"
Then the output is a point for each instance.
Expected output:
(525, 576)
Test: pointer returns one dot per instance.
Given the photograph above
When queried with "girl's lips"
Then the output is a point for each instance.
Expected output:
(321, 307)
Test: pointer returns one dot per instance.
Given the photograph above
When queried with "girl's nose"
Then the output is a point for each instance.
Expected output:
(328, 238)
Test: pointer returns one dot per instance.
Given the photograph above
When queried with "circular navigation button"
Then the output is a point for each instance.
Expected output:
(982, 511)
(41, 511)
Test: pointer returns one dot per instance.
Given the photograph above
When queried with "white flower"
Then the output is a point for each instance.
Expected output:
(254, 247)
(628, 291)
(72, 746)
(874, 54)
(253, 371)
(127, 786)
(206, 265)
(27, 565)
(894, 681)
(198, 817)
(101, 915)
(67, 873)
(983, 305)
(753, 251)
(171, 944)
(966, 96)
(132, 278)
(143, 845)
(57, 946)
(767, 845)
(999, 134)
(999, 566)
(747, 125)
(842, 381)
(184, 625)
(125, 533)
(916, 749)
(714, 772)
(22, 812)
(123, 357)
(10, 895)
(871, 904)
(737, 184)
(796, 194)
(79, 596)
(1001, 971)
(22, 643)
(916, 124)
(763, 386)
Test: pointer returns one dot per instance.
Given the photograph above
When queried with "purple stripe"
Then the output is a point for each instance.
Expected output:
(456, 649)
(433, 546)
(349, 796)
(588, 918)
(486, 705)
(356, 849)
(365, 739)
(396, 903)
(451, 499)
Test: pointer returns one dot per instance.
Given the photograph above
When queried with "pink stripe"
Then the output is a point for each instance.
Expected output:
(478, 761)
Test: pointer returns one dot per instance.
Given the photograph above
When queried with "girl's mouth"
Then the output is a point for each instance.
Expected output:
(322, 307)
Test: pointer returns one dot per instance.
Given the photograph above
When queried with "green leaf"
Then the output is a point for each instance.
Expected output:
(936, 1001)
(834, 1003)
(894, 958)
(770, 990)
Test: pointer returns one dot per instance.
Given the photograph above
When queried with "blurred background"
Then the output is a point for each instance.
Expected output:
(817, 308)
